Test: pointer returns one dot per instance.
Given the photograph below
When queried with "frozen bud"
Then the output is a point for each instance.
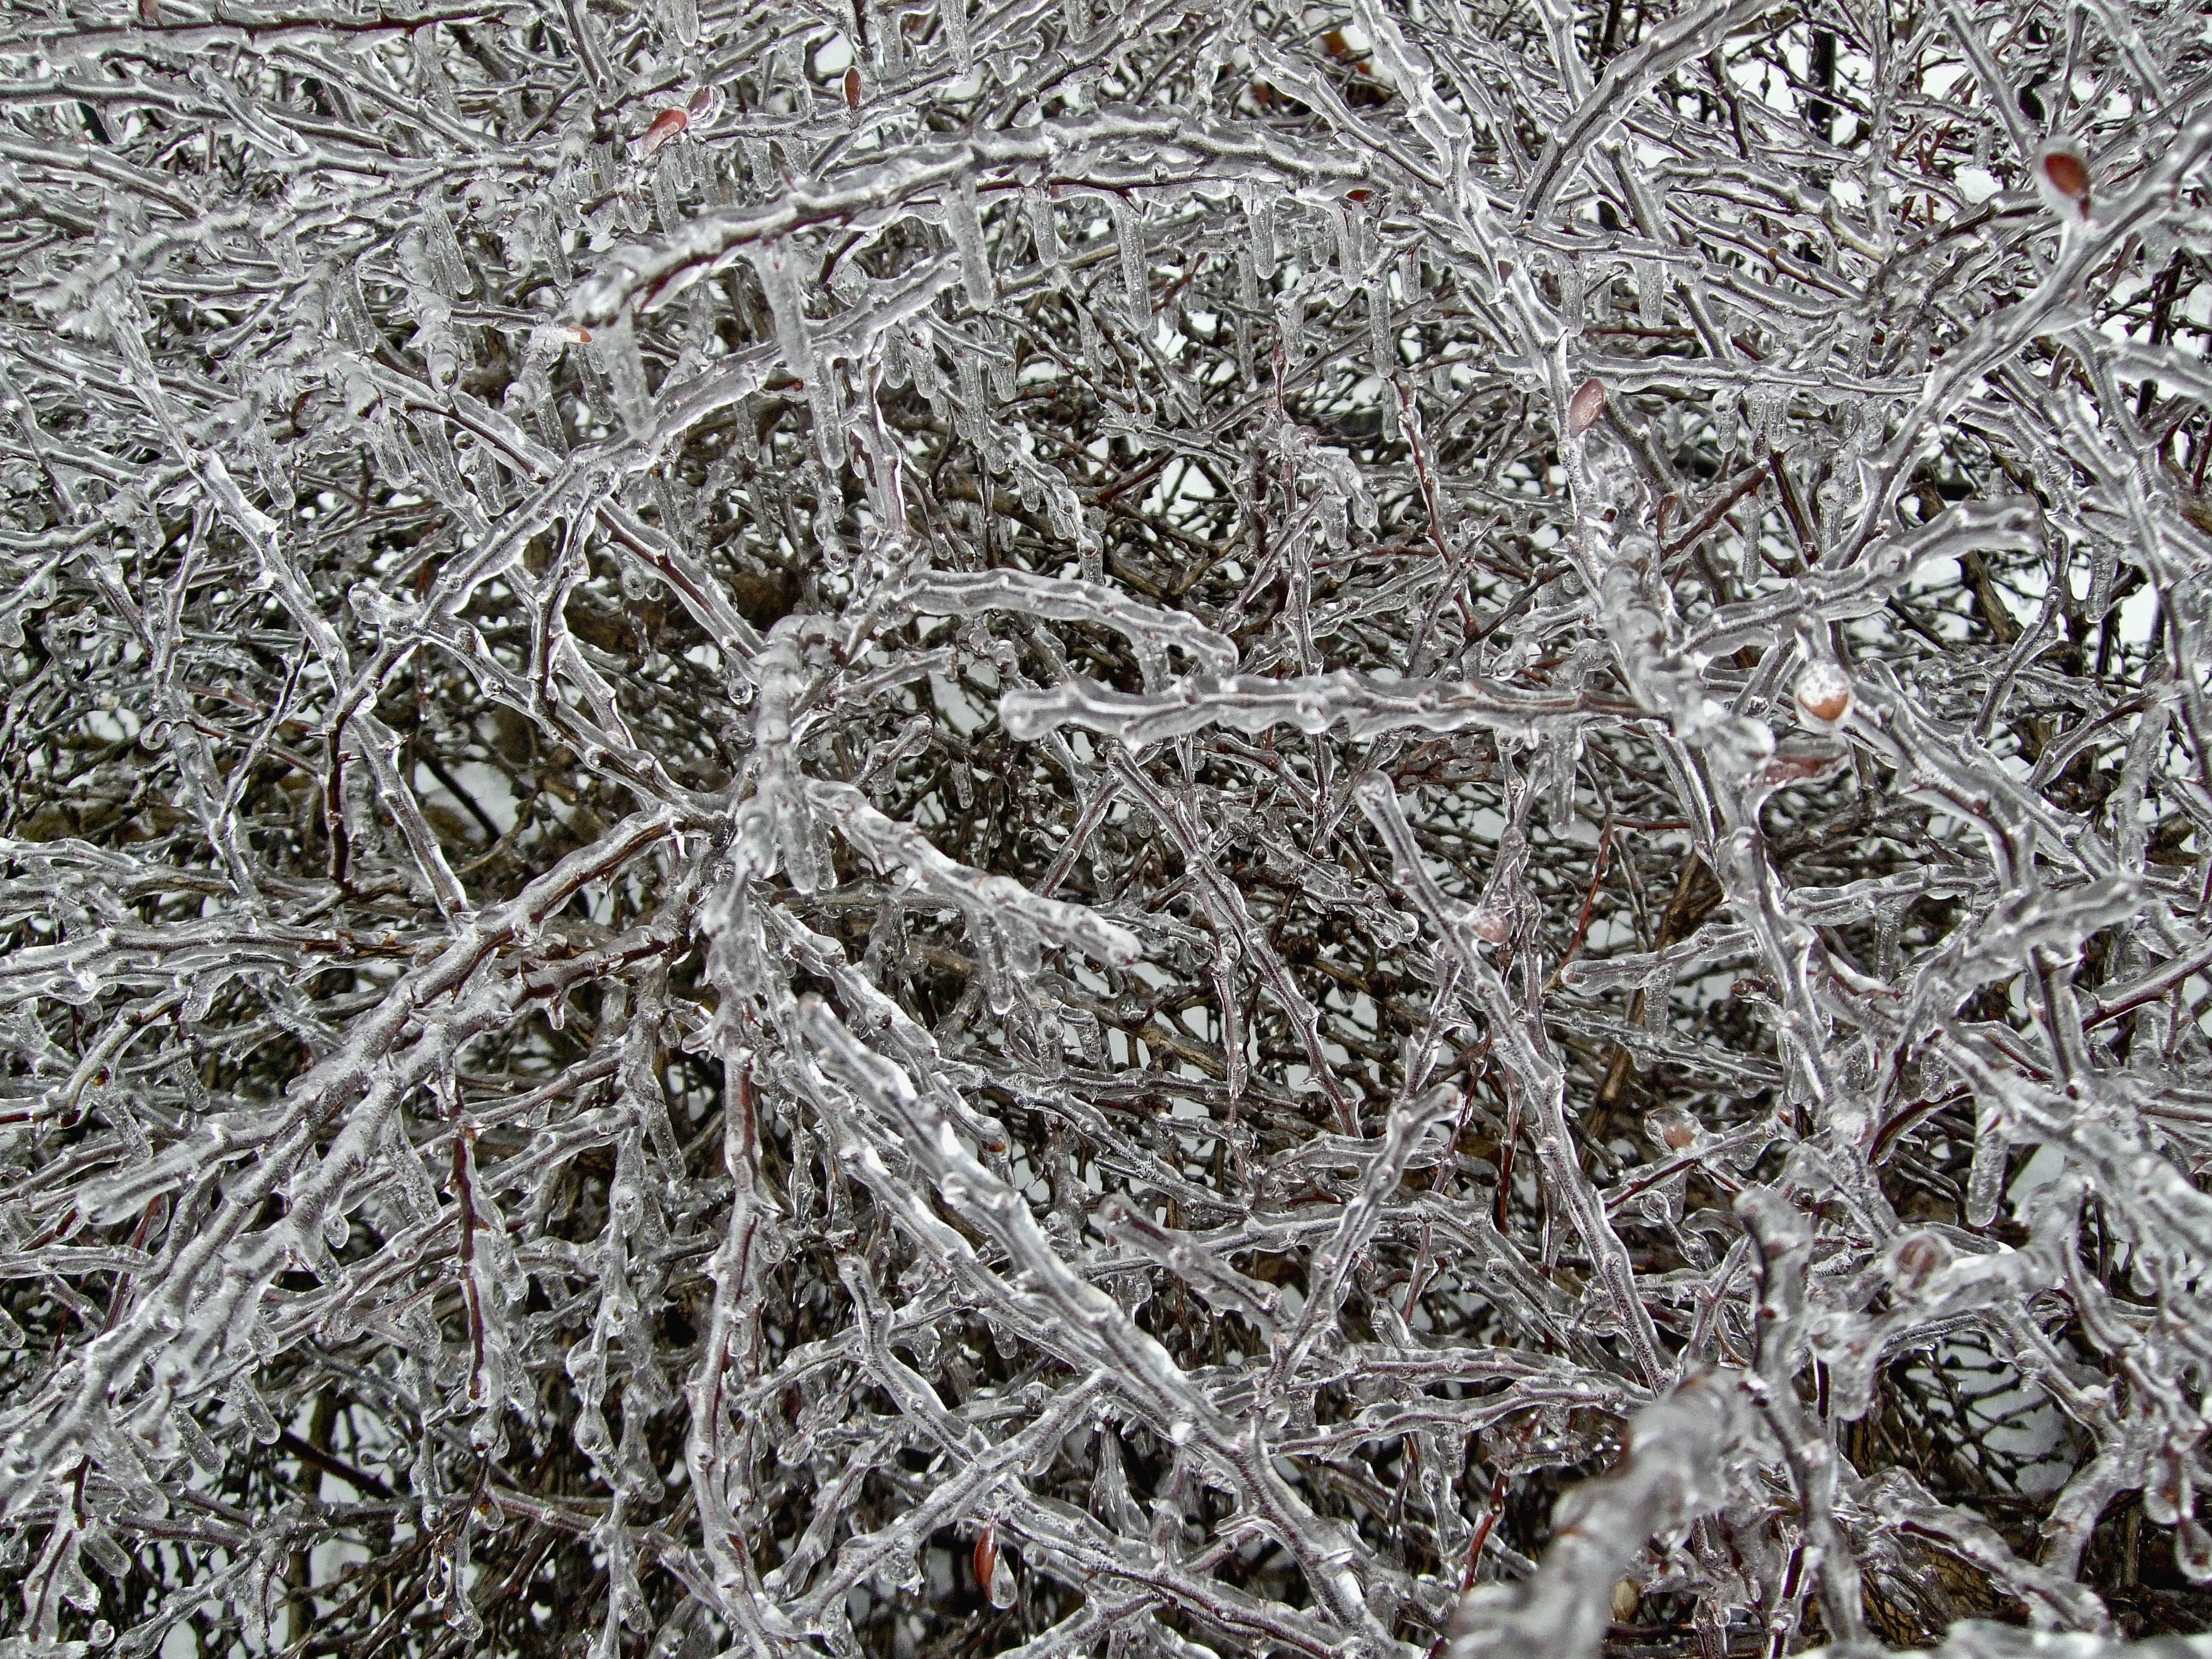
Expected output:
(852, 87)
(1673, 1128)
(1919, 1257)
(986, 1554)
(2062, 177)
(1801, 762)
(669, 124)
(1626, 1596)
(1490, 925)
(1824, 693)
(1584, 407)
(2193, 1548)
(704, 104)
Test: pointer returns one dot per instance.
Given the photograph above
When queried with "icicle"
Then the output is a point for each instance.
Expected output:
(778, 264)
(206, 1456)
(453, 1572)
(100, 1545)
(1571, 293)
(973, 416)
(2104, 565)
(1383, 350)
(433, 338)
(1247, 304)
(825, 403)
(484, 470)
(1724, 420)
(1043, 230)
(445, 250)
(1347, 241)
(761, 161)
(342, 299)
(1259, 212)
(1136, 293)
(965, 221)
(1985, 1176)
(1651, 293)
(248, 1402)
(616, 344)
(890, 42)
(1759, 408)
(435, 450)
(952, 18)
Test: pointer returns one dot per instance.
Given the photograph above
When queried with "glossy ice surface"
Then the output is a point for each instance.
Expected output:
(952, 827)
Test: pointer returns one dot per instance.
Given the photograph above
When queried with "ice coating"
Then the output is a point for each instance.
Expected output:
(1087, 830)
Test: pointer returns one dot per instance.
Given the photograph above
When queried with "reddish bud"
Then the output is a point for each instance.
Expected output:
(2069, 174)
(666, 125)
(1919, 1257)
(1491, 925)
(1673, 1128)
(2062, 178)
(1824, 692)
(1801, 762)
(986, 1554)
(852, 87)
(577, 334)
(704, 102)
(1586, 406)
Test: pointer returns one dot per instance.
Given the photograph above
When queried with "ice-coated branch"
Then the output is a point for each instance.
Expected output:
(1664, 1481)
(926, 830)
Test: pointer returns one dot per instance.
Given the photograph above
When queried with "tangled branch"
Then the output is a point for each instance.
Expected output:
(1086, 829)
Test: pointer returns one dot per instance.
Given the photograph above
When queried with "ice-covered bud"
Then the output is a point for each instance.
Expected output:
(1917, 1257)
(1490, 924)
(666, 125)
(1586, 407)
(1673, 1128)
(2061, 178)
(1824, 693)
